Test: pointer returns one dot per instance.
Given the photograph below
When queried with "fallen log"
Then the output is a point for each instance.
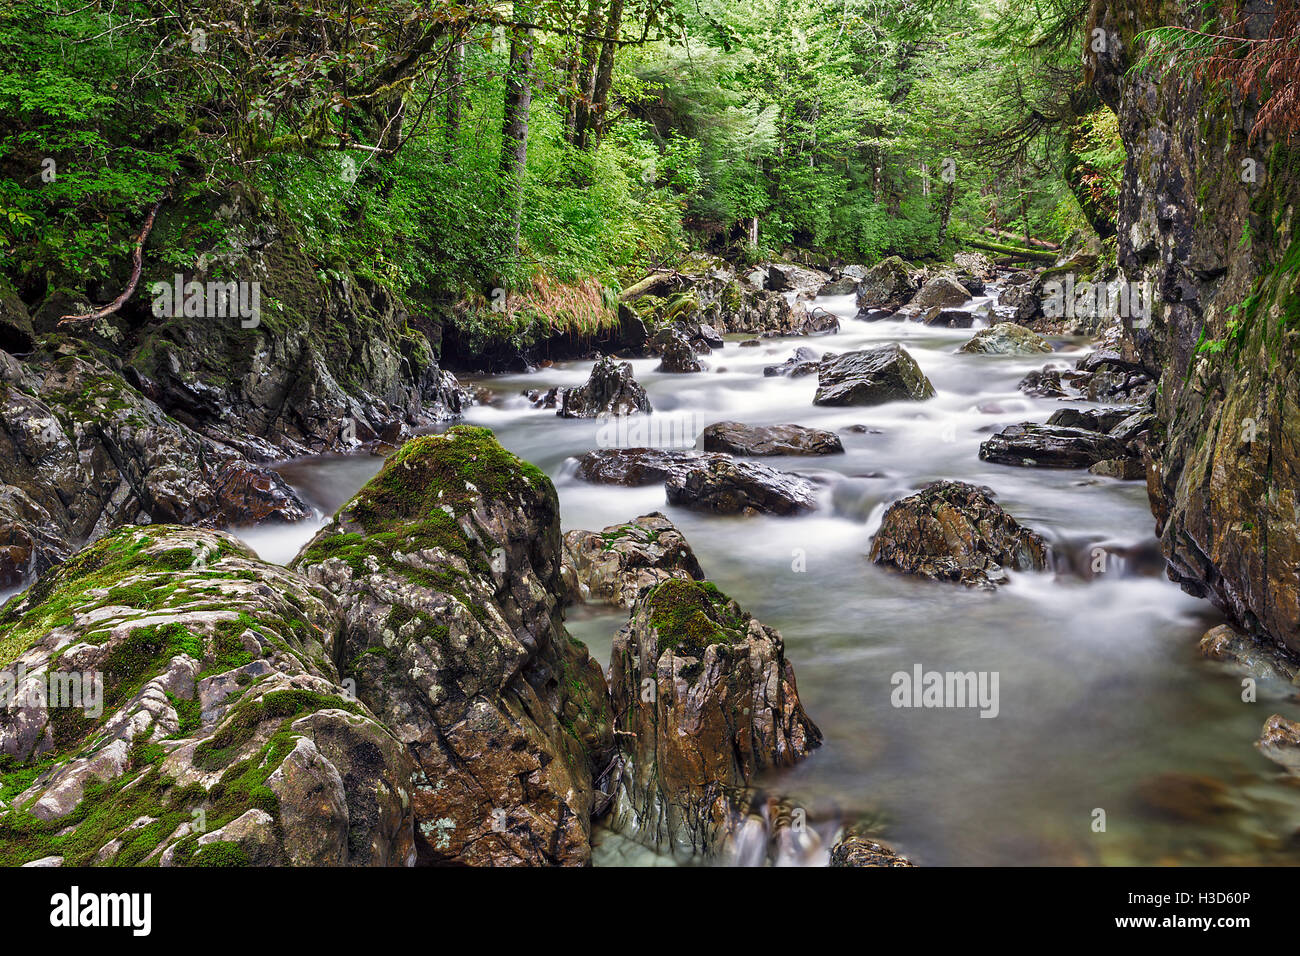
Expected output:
(651, 283)
(1019, 255)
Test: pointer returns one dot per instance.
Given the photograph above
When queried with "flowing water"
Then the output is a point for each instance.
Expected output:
(1104, 703)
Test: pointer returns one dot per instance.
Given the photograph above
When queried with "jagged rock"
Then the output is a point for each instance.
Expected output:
(820, 322)
(1050, 446)
(949, 318)
(871, 377)
(540, 398)
(723, 486)
(618, 565)
(735, 438)
(611, 390)
(216, 694)
(1092, 419)
(803, 362)
(953, 531)
(941, 292)
(677, 355)
(854, 850)
(1007, 338)
(845, 285)
(709, 337)
(1280, 743)
(1046, 383)
(705, 700)
(1126, 469)
(85, 453)
(889, 280)
(447, 568)
(636, 466)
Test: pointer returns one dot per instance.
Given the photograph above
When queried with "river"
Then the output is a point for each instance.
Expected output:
(1104, 703)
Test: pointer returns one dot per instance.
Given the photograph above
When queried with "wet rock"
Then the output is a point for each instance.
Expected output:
(1125, 469)
(953, 531)
(449, 560)
(722, 706)
(540, 398)
(855, 850)
(871, 377)
(723, 486)
(889, 280)
(976, 264)
(949, 318)
(887, 311)
(677, 356)
(162, 612)
(619, 564)
(636, 467)
(784, 277)
(820, 322)
(1280, 743)
(845, 285)
(611, 390)
(709, 337)
(803, 362)
(736, 438)
(941, 292)
(1226, 643)
(1007, 338)
(1050, 446)
(1091, 419)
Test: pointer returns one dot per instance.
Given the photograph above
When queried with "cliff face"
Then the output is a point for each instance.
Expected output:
(1207, 218)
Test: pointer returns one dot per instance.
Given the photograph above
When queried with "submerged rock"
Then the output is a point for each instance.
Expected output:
(736, 438)
(856, 850)
(619, 564)
(953, 531)
(871, 377)
(1280, 742)
(1050, 446)
(611, 390)
(724, 486)
(705, 700)
(447, 570)
(221, 734)
(1007, 338)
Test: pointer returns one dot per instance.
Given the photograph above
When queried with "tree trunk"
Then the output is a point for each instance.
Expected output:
(455, 80)
(579, 114)
(514, 130)
(591, 134)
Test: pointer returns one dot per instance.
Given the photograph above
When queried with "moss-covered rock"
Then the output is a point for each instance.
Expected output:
(174, 701)
(447, 566)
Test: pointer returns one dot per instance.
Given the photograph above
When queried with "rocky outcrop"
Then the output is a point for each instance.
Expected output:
(1007, 338)
(1216, 247)
(176, 703)
(953, 531)
(611, 390)
(724, 486)
(447, 570)
(871, 377)
(705, 700)
(622, 562)
(736, 438)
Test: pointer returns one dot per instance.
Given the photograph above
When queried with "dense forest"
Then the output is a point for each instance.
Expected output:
(433, 432)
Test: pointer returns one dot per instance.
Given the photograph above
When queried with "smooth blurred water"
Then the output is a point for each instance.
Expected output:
(1104, 702)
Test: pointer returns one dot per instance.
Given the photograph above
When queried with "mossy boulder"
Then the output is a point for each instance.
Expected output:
(447, 568)
(176, 703)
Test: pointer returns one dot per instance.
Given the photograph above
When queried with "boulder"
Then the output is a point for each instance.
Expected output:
(1050, 446)
(889, 280)
(855, 850)
(1280, 743)
(735, 438)
(677, 355)
(446, 568)
(871, 377)
(220, 730)
(949, 318)
(706, 701)
(953, 531)
(619, 564)
(635, 467)
(724, 486)
(803, 362)
(611, 390)
(1007, 338)
(785, 277)
(819, 322)
(976, 264)
(942, 292)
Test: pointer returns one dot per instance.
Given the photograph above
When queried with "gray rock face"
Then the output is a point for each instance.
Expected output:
(953, 531)
(723, 486)
(736, 438)
(872, 377)
(619, 564)
(611, 390)
(1007, 338)
(784, 277)
(1050, 446)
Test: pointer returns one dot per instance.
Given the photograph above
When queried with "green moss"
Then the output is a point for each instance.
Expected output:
(688, 616)
(220, 853)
